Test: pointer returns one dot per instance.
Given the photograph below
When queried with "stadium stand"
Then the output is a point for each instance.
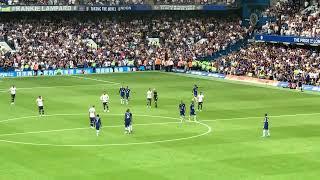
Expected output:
(106, 42)
(292, 20)
(168, 40)
(273, 62)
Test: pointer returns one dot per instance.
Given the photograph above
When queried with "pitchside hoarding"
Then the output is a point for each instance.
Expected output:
(69, 71)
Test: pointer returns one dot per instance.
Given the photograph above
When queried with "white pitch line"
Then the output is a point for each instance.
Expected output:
(80, 114)
(93, 79)
(209, 130)
(205, 120)
(48, 87)
(255, 117)
(72, 129)
(137, 143)
(49, 115)
(164, 117)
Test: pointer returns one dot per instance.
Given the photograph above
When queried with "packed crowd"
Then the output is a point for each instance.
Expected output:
(105, 42)
(273, 62)
(292, 20)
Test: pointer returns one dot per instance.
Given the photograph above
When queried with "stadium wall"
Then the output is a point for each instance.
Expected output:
(107, 70)
(58, 72)
(247, 79)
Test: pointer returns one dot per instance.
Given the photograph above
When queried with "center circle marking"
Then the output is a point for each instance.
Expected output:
(209, 129)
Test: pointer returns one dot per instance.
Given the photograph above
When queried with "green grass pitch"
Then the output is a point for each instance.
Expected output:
(62, 146)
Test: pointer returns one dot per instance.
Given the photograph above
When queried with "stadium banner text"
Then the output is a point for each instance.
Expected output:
(68, 71)
(141, 7)
(116, 8)
(287, 39)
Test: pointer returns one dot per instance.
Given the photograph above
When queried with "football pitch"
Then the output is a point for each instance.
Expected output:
(225, 144)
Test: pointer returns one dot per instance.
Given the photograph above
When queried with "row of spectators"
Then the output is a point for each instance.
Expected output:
(293, 20)
(113, 2)
(102, 42)
(273, 62)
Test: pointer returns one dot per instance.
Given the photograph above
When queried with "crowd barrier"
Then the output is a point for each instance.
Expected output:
(142, 68)
(247, 79)
(252, 80)
(70, 71)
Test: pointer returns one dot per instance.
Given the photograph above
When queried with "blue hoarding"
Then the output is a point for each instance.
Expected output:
(287, 39)
(68, 71)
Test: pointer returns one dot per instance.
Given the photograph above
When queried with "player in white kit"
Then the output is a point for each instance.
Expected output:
(200, 101)
(92, 116)
(13, 90)
(105, 102)
(39, 102)
(149, 98)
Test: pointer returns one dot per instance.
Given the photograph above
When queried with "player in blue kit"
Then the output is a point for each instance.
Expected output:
(122, 92)
(266, 132)
(192, 112)
(182, 109)
(127, 92)
(98, 124)
(195, 90)
(128, 122)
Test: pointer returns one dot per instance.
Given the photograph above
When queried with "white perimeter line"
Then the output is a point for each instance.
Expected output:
(93, 79)
(71, 129)
(80, 114)
(255, 117)
(48, 87)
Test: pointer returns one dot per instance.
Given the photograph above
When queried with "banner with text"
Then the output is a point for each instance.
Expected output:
(288, 39)
(140, 7)
(58, 72)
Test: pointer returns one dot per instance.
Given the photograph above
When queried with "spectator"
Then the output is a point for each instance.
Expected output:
(274, 62)
(115, 42)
